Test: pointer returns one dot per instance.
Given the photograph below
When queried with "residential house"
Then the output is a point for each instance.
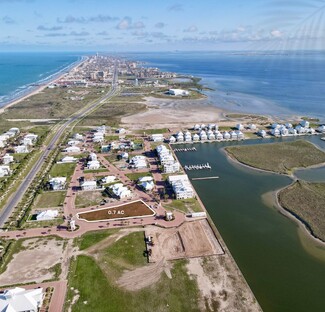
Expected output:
(21, 300)
(157, 137)
(4, 171)
(21, 149)
(68, 159)
(7, 159)
(108, 179)
(138, 162)
(88, 185)
(305, 123)
(72, 149)
(58, 183)
(93, 165)
(226, 135)
(120, 191)
(181, 186)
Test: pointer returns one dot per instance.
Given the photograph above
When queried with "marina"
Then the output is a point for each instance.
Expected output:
(189, 149)
(197, 167)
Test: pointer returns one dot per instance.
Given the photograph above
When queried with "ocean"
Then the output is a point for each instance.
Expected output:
(280, 85)
(19, 71)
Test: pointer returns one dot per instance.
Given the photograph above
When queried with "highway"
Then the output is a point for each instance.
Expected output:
(18, 195)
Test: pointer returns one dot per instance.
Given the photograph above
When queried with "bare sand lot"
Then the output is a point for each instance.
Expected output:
(30, 264)
(170, 112)
(191, 239)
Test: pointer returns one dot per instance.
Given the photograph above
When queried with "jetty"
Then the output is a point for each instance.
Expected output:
(204, 178)
(197, 167)
(188, 149)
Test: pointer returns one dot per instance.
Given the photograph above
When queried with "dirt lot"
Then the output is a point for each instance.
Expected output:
(192, 239)
(30, 264)
(135, 209)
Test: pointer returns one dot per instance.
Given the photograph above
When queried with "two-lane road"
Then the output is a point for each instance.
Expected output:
(17, 196)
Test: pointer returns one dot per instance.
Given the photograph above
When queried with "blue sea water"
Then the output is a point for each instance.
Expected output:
(18, 71)
(277, 84)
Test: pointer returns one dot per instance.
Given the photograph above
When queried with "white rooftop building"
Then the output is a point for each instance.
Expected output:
(72, 149)
(93, 165)
(21, 300)
(47, 215)
(181, 186)
(7, 159)
(305, 123)
(78, 137)
(88, 185)
(92, 156)
(321, 129)
(157, 137)
(120, 191)
(178, 92)
(21, 149)
(138, 162)
(4, 171)
(108, 179)
(58, 183)
(68, 159)
(262, 133)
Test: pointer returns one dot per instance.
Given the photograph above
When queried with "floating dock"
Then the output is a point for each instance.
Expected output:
(205, 178)
(197, 167)
(188, 149)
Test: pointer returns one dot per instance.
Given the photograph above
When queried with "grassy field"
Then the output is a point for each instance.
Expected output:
(110, 114)
(91, 238)
(278, 157)
(135, 176)
(51, 103)
(185, 205)
(306, 201)
(87, 274)
(50, 199)
(62, 170)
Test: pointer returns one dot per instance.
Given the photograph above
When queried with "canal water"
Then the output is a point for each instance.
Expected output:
(284, 267)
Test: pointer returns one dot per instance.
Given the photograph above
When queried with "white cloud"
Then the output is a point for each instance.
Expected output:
(191, 29)
(126, 24)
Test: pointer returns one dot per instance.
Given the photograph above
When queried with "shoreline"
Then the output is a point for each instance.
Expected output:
(285, 212)
(42, 85)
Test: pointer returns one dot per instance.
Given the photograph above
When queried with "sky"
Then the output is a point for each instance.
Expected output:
(155, 25)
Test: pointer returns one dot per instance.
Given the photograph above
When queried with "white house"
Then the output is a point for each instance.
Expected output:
(58, 183)
(284, 131)
(196, 137)
(138, 162)
(15, 131)
(178, 92)
(233, 135)
(180, 138)
(262, 133)
(108, 179)
(252, 127)
(21, 149)
(98, 137)
(93, 157)
(7, 159)
(275, 131)
(157, 137)
(321, 129)
(145, 179)
(275, 126)
(4, 171)
(33, 137)
(47, 215)
(73, 142)
(172, 139)
(288, 125)
(181, 186)
(300, 129)
(3, 142)
(124, 155)
(203, 135)
(218, 135)
(78, 137)
(240, 135)
(305, 123)
(68, 159)
(171, 167)
(211, 136)
(196, 127)
(72, 149)
(21, 300)
(27, 141)
(147, 186)
(93, 165)
(292, 131)
(226, 135)
(120, 131)
(88, 185)
(120, 191)
(239, 127)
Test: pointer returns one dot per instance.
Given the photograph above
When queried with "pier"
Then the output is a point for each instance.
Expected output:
(205, 178)
(197, 167)
(189, 149)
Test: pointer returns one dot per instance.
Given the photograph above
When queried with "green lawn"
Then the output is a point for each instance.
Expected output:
(50, 199)
(91, 238)
(179, 293)
(62, 170)
(185, 205)
(135, 176)
(153, 131)
(96, 171)
(307, 202)
(278, 157)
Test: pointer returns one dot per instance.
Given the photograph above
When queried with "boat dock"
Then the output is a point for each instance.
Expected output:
(188, 149)
(197, 167)
(205, 178)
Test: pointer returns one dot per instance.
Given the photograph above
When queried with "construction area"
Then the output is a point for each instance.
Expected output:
(190, 240)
